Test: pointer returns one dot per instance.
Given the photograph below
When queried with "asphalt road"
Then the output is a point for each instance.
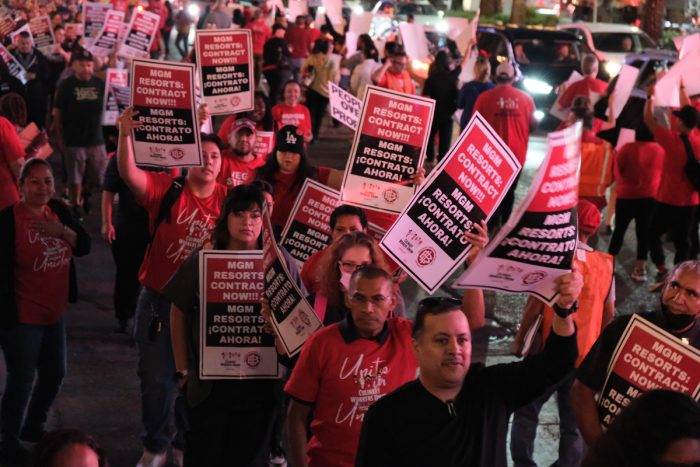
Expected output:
(100, 394)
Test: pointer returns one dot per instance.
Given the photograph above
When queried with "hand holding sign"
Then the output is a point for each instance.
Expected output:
(569, 287)
(127, 121)
(478, 240)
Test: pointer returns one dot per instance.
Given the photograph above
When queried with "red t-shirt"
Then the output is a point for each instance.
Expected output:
(510, 112)
(11, 150)
(343, 380)
(299, 41)
(42, 269)
(310, 272)
(261, 33)
(161, 10)
(583, 87)
(285, 196)
(675, 189)
(638, 170)
(297, 116)
(236, 172)
(314, 34)
(192, 220)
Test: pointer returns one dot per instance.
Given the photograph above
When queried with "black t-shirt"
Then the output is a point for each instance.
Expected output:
(131, 219)
(80, 103)
(412, 428)
(276, 52)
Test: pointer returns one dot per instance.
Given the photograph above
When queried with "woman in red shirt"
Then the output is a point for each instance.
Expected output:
(291, 112)
(38, 238)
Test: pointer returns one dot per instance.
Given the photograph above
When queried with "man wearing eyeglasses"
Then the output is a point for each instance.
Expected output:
(346, 367)
(455, 413)
(394, 74)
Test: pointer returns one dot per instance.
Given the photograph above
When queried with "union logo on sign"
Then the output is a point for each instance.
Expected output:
(425, 257)
(253, 359)
(235, 101)
(177, 154)
(390, 195)
(534, 277)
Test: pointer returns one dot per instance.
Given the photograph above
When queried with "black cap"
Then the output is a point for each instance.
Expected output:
(290, 139)
(688, 115)
(81, 55)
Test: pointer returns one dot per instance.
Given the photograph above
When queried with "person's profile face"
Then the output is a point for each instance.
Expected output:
(682, 293)
(444, 349)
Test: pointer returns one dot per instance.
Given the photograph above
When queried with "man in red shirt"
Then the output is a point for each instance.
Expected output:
(394, 74)
(299, 40)
(586, 86)
(187, 225)
(157, 7)
(510, 112)
(261, 33)
(676, 202)
(238, 163)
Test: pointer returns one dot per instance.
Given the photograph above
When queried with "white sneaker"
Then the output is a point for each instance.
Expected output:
(177, 457)
(149, 459)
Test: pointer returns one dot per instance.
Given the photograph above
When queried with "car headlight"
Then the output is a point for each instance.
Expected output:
(536, 86)
(612, 68)
(358, 10)
(442, 26)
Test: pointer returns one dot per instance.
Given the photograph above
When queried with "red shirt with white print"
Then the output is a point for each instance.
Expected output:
(342, 375)
(42, 269)
(191, 221)
(235, 171)
(297, 116)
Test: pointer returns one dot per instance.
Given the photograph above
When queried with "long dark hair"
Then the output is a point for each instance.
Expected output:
(305, 170)
(240, 198)
(14, 108)
(441, 64)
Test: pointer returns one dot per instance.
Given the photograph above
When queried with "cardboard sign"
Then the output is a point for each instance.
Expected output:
(292, 316)
(13, 65)
(646, 358)
(27, 135)
(73, 30)
(414, 41)
(360, 23)
(94, 14)
(225, 60)
(467, 73)
(388, 148)
(297, 8)
(556, 108)
(464, 189)
(116, 83)
(106, 40)
(685, 44)
(42, 31)
(623, 89)
(538, 242)
(264, 143)
(345, 107)
(15, 34)
(7, 25)
(163, 94)
(308, 227)
(334, 11)
(232, 342)
(666, 91)
(140, 34)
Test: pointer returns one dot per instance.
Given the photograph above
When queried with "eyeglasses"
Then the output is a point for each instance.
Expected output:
(399, 63)
(349, 266)
(375, 300)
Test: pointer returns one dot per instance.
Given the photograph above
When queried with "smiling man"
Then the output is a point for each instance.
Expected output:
(679, 315)
(456, 413)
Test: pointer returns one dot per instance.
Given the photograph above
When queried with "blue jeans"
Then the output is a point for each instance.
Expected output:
(31, 349)
(157, 373)
(524, 429)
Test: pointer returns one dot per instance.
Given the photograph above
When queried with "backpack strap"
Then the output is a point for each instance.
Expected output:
(169, 199)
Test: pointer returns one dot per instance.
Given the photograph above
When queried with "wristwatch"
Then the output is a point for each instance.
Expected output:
(181, 374)
(564, 312)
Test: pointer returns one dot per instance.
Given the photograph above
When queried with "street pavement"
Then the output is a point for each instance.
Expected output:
(101, 391)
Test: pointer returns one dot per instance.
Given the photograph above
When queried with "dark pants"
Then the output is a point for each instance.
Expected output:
(317, 108)
(524, 429)
(678, 221)
(627, 210)
(504, 210)
(182, 44)
(444, 131)
(128, 254)
(221, 435)
(31, 349)
(276, 79)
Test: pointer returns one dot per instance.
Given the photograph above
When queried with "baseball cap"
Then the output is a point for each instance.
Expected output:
(588, 217)
(241, 123)
(506, 70)
(81, 55)
(289, 139)
(688, 115)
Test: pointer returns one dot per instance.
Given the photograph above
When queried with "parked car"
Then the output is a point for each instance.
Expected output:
(611, 42)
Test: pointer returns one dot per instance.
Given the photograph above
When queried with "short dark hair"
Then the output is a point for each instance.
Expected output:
(277, 26)
(321, 46)
(25, 35)
(347, 210)
(239, 198)
(370, 272)
(30, 165)
(265, 186)
(211, 138)
(433, 306)
(52, 443)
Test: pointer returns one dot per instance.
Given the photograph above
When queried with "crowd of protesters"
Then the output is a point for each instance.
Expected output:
(372, 387)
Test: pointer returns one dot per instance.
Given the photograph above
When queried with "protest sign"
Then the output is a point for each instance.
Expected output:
(94, 14)
(666, 90)
(625, 136)
(264, 143)
(140, 34)
(308, 228)
(345, 107)
(538, 242)
(116, 83)
(685, 44)
(646, 358)
(292, 317)
(360, 23)
(13, 65)
(225, 59)
(623, 89)
(73, 30)
(15, 34)
(26, 137)
(414, 41)
(464, 189)
(42, 32)
(7, 25)
(108, 37)
(388, 148)
(232, 342)
(163, 94)
(297, 8)
(556, 109)
(334, 11)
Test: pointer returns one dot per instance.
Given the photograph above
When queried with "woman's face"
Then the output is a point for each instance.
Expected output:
(211, 163)
(292, 92)
(288, 161)
(354, 258)
(37, 188)
(244, 227)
